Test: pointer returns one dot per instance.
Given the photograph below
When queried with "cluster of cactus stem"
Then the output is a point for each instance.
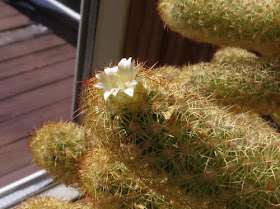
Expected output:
(248, 24)
(57, 147)
(111, 185)
(202, 136)
(87, 166)
(181, 142)
(246, 83)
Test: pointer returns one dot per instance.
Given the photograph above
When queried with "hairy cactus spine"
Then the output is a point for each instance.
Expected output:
(239, 79)
(111, 185)
(57, 147)
(180, 142)
(253, 25)
(51, 203)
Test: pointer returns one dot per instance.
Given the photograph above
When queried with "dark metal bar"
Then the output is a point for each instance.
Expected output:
(51, 8)
(86, 41)
(55, 6)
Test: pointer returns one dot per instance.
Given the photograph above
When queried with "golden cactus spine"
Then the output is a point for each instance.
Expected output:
(180, 142)
(111, 185)
(252, 25)
(57, 147)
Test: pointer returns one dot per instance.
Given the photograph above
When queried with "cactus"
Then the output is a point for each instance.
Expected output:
(234, 56)
(57, 147)
(111, 185)
(237, 78)
(188, 137)
(184, 144)
(252, 25)
(180, 144)
(51, 203)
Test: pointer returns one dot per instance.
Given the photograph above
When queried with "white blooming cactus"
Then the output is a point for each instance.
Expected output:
(121, 82)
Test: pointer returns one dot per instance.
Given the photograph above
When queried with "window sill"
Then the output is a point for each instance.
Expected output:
(38, 184)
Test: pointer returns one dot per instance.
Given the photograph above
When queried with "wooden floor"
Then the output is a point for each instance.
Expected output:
(36, 86)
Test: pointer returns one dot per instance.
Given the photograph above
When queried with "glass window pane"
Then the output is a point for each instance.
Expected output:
(36, 85)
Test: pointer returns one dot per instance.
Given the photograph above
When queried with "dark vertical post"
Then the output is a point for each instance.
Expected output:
(86, 41)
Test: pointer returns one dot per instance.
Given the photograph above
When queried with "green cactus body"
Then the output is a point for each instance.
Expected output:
(235, 56)
(56, 147)
(186, 148)
(51, 203)
(239, 79)
(249, 24)
(111, 185)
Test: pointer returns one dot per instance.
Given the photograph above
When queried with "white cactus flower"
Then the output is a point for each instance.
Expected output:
(120, 79)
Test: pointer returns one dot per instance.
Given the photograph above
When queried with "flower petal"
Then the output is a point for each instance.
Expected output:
(99, 85)
(127, 70)
(107, 94)
(121, 78)
(128, 64)
(125, 63)
(99, 76)
(131, 83)
(105, 80)
(111, 71)
(129, 91)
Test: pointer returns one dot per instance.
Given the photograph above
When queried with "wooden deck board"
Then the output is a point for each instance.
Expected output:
(12, 22)
(20, 150)
(22, 34)
(17, 160)
(13, 176)
(37, 60)
(25, 124)
(7, 11)
(29, 46)
(35, 79)
(36, 86)
(2, 3)
(28, 102)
